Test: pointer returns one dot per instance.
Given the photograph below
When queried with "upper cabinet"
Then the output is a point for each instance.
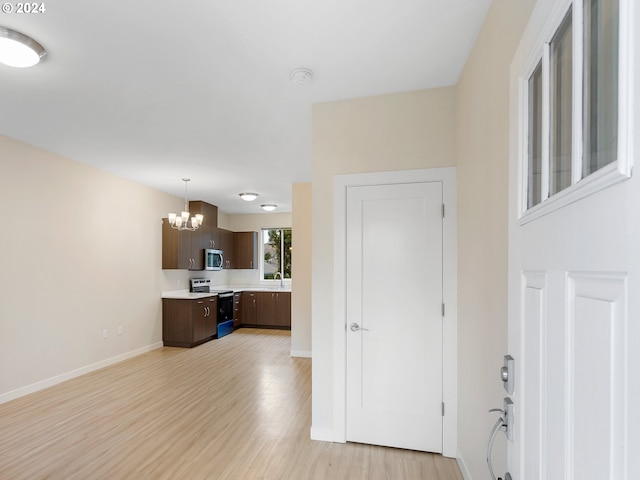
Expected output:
(246, 250)
(184, 250)
(181, 249)
(228, 247)
(210, 212)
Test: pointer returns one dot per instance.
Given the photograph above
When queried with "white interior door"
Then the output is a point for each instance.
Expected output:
(573, 266)
(394, 302)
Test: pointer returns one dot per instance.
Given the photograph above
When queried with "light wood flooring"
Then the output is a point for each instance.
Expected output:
(234, 408)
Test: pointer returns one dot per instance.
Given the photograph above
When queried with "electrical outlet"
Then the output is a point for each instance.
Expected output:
(105, 333)
(119, 329)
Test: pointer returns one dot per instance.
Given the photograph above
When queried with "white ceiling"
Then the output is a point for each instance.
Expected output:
(157, 91)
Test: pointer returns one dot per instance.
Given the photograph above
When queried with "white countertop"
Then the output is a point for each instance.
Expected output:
(187, 295)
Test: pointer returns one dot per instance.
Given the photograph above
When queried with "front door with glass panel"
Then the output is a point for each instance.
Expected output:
(572, 264)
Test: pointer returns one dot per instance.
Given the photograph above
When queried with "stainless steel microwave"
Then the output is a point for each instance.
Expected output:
(213, 259)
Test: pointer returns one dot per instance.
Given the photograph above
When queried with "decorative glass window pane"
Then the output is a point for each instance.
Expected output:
(534, 153)
(561, 68)
(600, 84)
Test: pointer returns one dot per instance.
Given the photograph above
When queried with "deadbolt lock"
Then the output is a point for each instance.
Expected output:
(507, 374)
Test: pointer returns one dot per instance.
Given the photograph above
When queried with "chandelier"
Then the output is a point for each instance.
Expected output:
(181, 222)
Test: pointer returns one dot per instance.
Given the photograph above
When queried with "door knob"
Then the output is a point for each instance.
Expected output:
(355, 327)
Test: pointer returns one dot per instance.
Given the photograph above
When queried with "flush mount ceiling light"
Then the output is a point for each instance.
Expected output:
(248, 196)
(300, 76)
(18, 50)
(269, 207)
(181, 222)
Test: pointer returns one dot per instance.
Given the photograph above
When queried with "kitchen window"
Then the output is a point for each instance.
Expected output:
(573, 108)
(276, 253)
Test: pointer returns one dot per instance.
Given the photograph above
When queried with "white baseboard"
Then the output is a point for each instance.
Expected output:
(301, 353)
(463, 466)
(322, 434)
(49, 382)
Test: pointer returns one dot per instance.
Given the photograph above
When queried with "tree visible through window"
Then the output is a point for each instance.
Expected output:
(276, 250)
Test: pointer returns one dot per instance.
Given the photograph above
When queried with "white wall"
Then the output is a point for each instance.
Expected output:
(81, 252)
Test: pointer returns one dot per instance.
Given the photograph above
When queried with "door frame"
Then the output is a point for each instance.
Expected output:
(447, 176)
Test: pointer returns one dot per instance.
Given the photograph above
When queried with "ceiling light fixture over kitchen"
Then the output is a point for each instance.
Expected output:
(300, 76)
(181, 222)
(18, 50)
(269, 207)
(248, 196)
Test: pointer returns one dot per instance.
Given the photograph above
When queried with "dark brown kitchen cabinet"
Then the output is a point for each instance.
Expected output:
(249, 308)
(210, 237)
(246, 250)
(208, 211)
(283, 309)
(237, 309)
(266, 309)
(181, 249)
(273, 310)
(228, 247)
(187, 322)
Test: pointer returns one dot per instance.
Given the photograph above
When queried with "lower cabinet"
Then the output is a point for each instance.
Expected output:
(249, 309)
(266, 309)
(237, 309)
(187, 322)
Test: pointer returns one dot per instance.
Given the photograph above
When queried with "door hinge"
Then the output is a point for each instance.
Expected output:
(443, 409)
(443, 309)
(443, 210)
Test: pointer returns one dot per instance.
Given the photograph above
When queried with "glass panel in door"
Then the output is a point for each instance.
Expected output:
(534, 150)
(600, 84)
(561, 91)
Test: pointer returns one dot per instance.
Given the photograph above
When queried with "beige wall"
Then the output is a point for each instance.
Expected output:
(81, 251)
(301, 266)
(483, 164)
(390, 132)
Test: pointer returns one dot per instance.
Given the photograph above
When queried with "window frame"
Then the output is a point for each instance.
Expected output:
(266, 281)
(613, 173)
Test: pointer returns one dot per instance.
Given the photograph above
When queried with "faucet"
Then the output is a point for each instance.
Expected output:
(281, 279)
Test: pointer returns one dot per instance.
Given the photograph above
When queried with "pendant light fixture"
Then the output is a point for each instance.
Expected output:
(181, 222)
(18, 50)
